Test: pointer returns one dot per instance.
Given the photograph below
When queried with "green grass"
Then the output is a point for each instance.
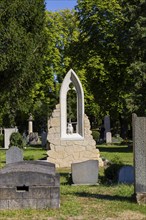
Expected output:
(87, 202)
(112, 152)
(30, 153)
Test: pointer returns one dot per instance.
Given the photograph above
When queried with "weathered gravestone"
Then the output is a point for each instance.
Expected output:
(13, 155)
(29, 184)
(44, 138)
(34, 138)
(108, 137)
(139, 144)
(126, 174)
(85, 172)
(107, 132)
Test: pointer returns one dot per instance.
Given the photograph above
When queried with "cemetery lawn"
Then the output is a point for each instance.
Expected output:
(117, 153)
(103, 201)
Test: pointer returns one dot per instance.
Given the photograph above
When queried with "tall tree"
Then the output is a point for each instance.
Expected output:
(22, 46)
(61, 32)
(100, 28)
(113, 35)
(136, 25)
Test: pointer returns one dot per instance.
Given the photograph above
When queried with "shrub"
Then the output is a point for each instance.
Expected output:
(16, 140)
(111, 172)
(95, 134)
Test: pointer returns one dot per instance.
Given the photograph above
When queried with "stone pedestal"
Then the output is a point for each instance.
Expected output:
(65, 152)
(30, 124)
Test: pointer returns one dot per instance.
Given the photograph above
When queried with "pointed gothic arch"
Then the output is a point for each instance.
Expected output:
(71, 77)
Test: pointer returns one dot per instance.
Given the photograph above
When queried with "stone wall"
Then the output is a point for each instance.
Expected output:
(65, 152)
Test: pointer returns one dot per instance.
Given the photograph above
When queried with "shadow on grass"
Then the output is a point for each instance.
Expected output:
(105, 197)
(66, 178)
(115, 149)
(45, 157)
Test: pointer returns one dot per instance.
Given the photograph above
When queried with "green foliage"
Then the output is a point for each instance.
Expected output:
(22, 47)
(95, 134)
(111, 172)
(29, 157)
(1, 140)
(100, 26)
(16, 140)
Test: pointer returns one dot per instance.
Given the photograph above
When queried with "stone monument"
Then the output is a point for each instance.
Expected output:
(67, 146)
(32, 138)
(139, 144)
(30, 124)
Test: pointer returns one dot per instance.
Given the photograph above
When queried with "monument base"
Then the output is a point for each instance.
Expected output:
(64, 152)
(65, 156)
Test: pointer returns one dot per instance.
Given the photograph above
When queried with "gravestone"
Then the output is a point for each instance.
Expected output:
(29, 185)
(108, 137)
(44, 138)
(34, 138)
(13, 155)
(107, 133)
(126, 174)
(85, 173)
(7, 135)
(139, 144)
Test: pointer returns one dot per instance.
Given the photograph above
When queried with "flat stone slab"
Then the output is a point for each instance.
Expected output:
(85, 173)
(126, 175)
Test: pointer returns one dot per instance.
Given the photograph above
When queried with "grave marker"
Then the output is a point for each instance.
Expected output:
(85, 173)
(126, 174)
(13, 155)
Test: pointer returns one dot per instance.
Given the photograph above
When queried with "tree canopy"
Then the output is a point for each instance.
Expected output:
(104, 42)
(22, 46)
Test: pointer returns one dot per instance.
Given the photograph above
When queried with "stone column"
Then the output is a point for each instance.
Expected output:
(139, 144)
(30, 124)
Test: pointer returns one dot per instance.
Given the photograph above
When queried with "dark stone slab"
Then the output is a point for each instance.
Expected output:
(126, 174)
(85, 172)
(28, 178)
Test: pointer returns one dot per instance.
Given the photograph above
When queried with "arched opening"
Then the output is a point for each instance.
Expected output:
(72, 107)
(72, 110)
